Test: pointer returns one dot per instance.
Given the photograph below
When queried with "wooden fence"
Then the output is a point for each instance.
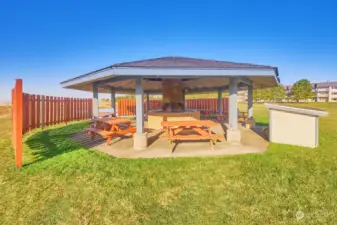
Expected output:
(38, 111)
(127, 107)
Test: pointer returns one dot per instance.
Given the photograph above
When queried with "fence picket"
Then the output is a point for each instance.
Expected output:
(43, 111)
(72, 109)
(47, 110)
(38, 113)
(90, 108)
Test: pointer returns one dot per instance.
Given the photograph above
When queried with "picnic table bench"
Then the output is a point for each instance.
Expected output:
(207, 113)
(200, 128)
(109, 128)
(242, 116)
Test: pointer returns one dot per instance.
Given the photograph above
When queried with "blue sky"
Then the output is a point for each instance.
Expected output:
(46, 42)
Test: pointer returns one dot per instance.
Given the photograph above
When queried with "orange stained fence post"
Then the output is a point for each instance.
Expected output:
(18, 122)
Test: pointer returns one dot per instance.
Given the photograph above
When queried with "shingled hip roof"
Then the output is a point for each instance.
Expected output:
(184, 62)
(121, 76)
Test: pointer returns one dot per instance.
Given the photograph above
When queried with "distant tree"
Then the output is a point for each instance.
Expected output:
(302, 90)
(278, 93)
(267, 94)
(257, 95)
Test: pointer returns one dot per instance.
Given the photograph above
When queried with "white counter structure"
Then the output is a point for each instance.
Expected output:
(294, 126)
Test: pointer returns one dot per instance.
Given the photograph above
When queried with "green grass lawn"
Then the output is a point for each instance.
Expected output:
(64, 183)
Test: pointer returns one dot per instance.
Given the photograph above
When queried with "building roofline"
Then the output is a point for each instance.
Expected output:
(129, 65)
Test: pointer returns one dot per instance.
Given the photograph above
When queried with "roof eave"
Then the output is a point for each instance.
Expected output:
(173, 72)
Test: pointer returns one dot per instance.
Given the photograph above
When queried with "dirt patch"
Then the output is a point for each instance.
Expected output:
(5, 109)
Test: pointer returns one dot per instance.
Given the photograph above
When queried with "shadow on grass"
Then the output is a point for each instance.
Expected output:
(49, 143)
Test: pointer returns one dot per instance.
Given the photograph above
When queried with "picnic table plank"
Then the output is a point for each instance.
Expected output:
(119, 121)
(109, 128)
(209, 123)
(201, 127)
(192, 137)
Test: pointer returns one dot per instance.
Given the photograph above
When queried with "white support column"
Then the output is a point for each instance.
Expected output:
(147, 102)
(250, 101)
(95, 101)
(113, 100)
(220, 101)
(250, 122)
(233, 133)
(233, 103)
(139, 138)
(139, 106)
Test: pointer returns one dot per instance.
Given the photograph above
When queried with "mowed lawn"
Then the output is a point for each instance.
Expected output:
(64, 183)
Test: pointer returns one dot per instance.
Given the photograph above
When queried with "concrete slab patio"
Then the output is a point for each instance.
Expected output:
(251, 142)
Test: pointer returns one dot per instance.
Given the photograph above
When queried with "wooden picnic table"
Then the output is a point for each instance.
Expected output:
(201, 131)
(110, 127)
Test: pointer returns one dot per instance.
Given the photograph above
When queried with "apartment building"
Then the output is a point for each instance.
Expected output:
(324, 91)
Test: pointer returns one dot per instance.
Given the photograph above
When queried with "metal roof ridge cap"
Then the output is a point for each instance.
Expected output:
(190, 68)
